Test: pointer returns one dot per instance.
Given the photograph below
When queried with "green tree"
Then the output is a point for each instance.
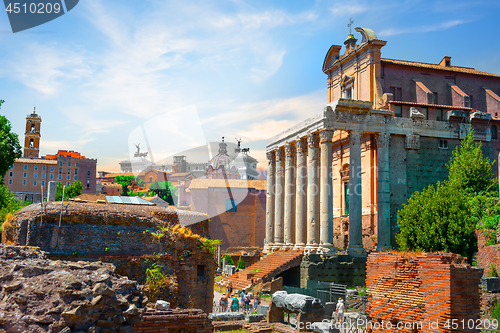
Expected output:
(469, 169)
(8, 203)
(70, 191)
(139, 181)
(241, 263)
(125, 182)
(164, 190)
(444, 217)
(10, 149)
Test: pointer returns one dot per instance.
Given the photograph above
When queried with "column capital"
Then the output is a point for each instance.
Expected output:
(383, 140)
(301, 146)
(355, 138)
(270, 157)
(325, 136)
(279, 154)
(312, 140)
(289, 149)
(412, 141)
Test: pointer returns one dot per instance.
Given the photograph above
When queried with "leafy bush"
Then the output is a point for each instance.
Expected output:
(495, 311)
(229, 260)
(241, 263)
(8, 203)
(438, 219)
(492, 272)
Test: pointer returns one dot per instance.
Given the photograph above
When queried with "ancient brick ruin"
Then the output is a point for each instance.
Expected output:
(427, 288)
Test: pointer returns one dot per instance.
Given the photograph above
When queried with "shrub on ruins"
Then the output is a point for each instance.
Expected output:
(438, 219)
(70, 191)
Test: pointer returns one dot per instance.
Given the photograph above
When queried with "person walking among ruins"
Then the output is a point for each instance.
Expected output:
(223, 302)
(340, 311)
(229, 288)
(235, 304)
(246, 301)
(256, 301)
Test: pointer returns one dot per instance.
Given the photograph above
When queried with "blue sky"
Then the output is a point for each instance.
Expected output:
(241, 69)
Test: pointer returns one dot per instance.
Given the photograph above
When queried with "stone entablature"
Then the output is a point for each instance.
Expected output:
(302, 205)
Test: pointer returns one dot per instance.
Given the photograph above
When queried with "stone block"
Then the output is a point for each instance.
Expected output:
(254, 318)
(262, 309)
(226, 316)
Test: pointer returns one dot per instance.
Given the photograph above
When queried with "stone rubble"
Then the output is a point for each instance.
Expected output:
(42, 295)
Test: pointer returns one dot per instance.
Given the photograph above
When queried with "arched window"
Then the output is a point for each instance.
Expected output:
(32, 143)
(494, 133)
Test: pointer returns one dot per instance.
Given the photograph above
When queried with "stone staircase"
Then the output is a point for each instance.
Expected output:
(265, 269)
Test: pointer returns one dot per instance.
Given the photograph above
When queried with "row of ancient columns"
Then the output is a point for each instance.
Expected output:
(300, 194)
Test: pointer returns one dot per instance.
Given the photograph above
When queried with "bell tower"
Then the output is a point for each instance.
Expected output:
(32, 135)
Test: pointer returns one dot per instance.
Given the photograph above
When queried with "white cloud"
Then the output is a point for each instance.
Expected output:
(421, 29)
(345, 9)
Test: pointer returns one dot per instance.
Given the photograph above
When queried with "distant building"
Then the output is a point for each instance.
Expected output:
(31, 173)
(237, 208)
(238, 165)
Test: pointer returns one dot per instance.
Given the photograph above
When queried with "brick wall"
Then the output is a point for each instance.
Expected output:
(424, 288)
(175, 321)
(487, 255)
(341, 269)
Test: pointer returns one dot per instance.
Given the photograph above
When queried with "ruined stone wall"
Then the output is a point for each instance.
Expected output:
(341, 269)
(175, 321)
(426, 288)
(122, 235)
(487, 255)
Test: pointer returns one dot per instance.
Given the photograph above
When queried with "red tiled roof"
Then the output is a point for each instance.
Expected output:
(456, 69)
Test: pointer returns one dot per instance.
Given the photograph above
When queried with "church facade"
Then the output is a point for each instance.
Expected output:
(337, 180)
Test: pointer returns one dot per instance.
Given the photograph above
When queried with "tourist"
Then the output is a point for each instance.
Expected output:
(242, 294)
(235, 304)
(340, 310)
(229, 288)
(223, 302)
(256, 301)
(246, 301)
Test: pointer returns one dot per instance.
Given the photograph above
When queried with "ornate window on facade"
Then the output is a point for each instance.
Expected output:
(348, 87)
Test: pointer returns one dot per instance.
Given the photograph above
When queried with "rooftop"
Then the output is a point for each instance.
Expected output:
(456, 69)
(235, 183)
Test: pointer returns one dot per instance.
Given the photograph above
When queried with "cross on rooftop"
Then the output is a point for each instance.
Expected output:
(350, 25)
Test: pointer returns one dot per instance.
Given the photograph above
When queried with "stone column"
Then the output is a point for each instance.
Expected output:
(383, 193)
(312, 193)
(268, 247)
(289, 194)
(326, 192)
(279, 198)
(301, 195)
(355, 247)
